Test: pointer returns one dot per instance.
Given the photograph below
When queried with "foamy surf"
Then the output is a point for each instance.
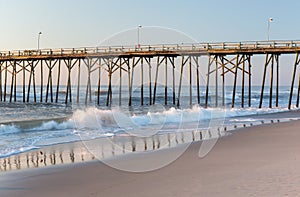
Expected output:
(93, 123)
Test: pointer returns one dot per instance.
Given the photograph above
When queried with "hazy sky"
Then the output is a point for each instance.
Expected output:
(67, 23)
(71, 23)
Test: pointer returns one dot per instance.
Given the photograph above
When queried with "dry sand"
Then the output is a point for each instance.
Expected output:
(258, 161)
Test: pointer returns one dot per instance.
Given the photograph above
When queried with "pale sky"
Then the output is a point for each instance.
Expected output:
(71, 23)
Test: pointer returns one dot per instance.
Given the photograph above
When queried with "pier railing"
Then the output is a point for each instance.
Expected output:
(178, 48)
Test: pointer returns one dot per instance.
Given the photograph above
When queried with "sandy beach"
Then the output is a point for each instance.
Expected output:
(149, 99)
(257, 161)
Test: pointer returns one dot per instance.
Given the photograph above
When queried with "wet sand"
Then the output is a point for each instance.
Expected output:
(258, 161)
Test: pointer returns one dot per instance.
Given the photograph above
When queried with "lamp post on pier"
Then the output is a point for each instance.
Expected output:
(39, 36)
(270, 20)
(138, 32)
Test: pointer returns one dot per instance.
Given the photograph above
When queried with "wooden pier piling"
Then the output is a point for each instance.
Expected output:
(297, 62)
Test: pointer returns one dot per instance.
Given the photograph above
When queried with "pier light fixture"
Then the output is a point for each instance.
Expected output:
(270, 20)
(138, 32)
(39, 36)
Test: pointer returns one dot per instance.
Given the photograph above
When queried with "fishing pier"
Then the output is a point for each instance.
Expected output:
(41, 75)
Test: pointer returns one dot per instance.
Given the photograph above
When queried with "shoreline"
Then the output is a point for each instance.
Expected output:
(78, 151)
(258, 161)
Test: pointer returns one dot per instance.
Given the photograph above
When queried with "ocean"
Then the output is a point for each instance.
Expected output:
(29, 126)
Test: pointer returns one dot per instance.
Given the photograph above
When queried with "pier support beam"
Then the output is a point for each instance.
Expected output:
(297, 62)
(210, 62)
(90, 64)
(69, 64)
(32, 65)
(196, 59)
(58, 80)
(24, 81)
(158, 63)
(99, 81)
(142, 81)
(42, 81)
(183, 62)
(1, 69)
(249, 81)
(109, 63)
(50, 80)
(216, 84)
(78, 81)
(298, 94)
(120, 83)
(5, 80)
(190, 81)
(235, 80)
(13, 88)
(148, 60)
(134, 64)
(271, 59)
(243, 83)
(229, 65)
(172, 60)
(223, 80)
(129, 82)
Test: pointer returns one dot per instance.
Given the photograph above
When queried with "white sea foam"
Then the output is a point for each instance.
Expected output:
(94, 118)
(53, 125)
(93, 123)
(8, 129)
